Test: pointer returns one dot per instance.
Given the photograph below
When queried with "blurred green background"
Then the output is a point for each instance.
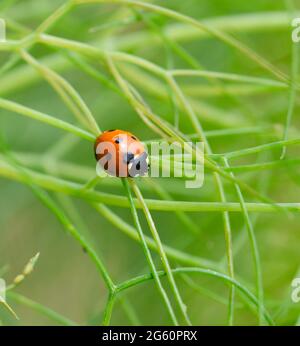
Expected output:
(64, 278)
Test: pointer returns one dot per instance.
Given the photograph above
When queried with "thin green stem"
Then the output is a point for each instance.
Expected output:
(148, 254)
(146, 277)
(66, 91)
(129, 310)
(254, 250)
(229, 77)
(226, 221)
(171, 252)
(42, 309)
(71, 188)
(259, 148)
(190, 225)
(141, 108)
(108, 309)
(64, 220)
(55, 16)
(161, 251)
(45, 118)
(292, 94)
(222, 36)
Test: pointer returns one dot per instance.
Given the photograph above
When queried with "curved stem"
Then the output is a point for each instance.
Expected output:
(146, 277)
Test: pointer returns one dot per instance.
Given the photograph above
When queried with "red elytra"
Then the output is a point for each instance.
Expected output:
(121, 154)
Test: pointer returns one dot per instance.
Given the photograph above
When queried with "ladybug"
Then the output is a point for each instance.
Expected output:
(121, 154)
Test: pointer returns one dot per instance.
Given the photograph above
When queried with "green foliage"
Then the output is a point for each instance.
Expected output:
(220, 72)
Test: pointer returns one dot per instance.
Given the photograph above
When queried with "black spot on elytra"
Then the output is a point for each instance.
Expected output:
(107, 157)
(133, 137)
(128, 157)
(139, 166)
(118, 140)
